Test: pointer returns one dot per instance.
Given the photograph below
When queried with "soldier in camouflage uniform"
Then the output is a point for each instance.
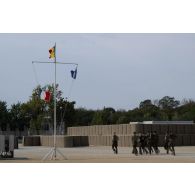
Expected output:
(135, 143)
(171, 143)
(115, 143)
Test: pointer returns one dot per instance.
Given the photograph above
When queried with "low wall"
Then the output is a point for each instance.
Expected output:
(61, 141)
(128, 129)
(31, 141)
(102, 134)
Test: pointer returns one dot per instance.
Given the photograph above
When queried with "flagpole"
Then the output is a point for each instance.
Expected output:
(55, 108)
(54, 150)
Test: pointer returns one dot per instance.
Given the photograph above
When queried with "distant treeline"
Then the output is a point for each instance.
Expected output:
(36, 112)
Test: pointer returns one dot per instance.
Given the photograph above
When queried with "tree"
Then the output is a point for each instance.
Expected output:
(168, 104)
(186, 111)
(145, 104)
(107, 115)
(15, 116)
(122, 120)
(3, 115)
(149, 110)
(39, 109)
(97, 118)
(83, 117)
(65, 112)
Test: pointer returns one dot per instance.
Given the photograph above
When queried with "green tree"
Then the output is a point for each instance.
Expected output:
(185, 111)
(145, 104)
(168, 104)
(3, 115)
(83, 117)
(149, 110)
(97, 118)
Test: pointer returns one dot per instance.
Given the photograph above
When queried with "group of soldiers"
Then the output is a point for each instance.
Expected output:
(147, 143)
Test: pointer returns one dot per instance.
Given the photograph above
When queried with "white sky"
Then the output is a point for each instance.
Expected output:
(116, 70)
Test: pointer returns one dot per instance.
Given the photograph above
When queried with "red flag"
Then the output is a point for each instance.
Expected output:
(47, 97)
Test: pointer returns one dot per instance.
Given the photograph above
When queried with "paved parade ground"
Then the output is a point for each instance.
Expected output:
(100, 154)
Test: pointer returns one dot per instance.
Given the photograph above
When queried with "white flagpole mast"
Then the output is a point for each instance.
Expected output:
(55, 107)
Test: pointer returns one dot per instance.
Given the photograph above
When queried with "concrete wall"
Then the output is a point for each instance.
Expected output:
(128, 129)
(61, 141)
(102, 134)
(31, 141)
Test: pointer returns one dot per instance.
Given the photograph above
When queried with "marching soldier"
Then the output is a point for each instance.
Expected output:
(134, 142)
(115, 143)
(143, 140)
(166, 140)
(171, 144)
(149, 142)
(155, 142)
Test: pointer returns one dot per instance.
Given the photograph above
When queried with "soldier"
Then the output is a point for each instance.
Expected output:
(155, 142)
(149, 142)
(144, 143)
(171, 143)
(140, 142)
(134, 142)
(166, 140)
(115, 143)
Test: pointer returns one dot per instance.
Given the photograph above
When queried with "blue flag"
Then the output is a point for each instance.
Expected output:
(74, 73)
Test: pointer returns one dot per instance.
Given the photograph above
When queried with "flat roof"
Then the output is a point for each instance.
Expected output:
(164, 122)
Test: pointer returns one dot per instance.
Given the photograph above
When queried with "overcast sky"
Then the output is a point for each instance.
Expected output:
(115, 70)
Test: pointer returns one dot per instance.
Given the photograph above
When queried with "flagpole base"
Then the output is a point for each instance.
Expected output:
(53, 155)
